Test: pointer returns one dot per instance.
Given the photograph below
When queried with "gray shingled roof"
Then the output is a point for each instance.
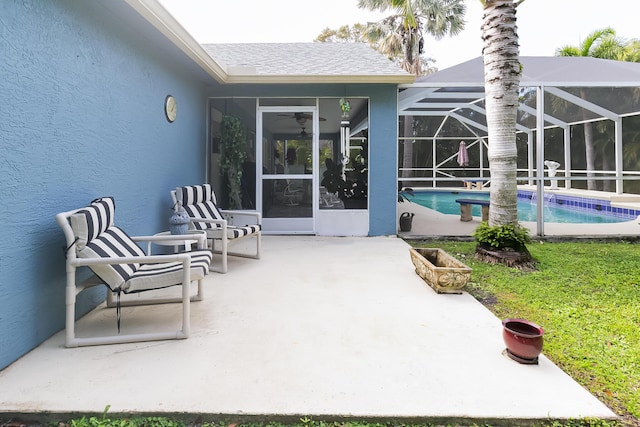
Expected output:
(555, 70)
(302, 59)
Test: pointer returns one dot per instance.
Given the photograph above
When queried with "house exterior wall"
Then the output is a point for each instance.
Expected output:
(83, 93)
(383, 136)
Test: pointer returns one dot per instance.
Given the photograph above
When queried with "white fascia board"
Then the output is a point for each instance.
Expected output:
(441, 85)
(311, 79)
(164, 22)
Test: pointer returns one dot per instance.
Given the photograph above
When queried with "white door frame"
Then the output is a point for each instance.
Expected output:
(289, 225)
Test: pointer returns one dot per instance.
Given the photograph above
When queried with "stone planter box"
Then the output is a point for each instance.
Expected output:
(441, 271)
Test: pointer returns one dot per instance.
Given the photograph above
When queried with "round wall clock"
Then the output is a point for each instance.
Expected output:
(170, 108)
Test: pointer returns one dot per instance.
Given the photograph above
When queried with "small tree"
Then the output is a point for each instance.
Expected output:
(232, 154)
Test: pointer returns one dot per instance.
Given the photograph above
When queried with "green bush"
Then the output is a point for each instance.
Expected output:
(233, 142)
(509, 236)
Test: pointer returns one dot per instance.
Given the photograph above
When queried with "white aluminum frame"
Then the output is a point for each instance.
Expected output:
(73, 288)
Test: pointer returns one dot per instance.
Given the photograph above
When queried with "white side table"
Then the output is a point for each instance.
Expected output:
(192, 237)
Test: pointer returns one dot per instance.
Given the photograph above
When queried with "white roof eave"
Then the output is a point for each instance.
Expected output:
(163, 21)
(310, 79)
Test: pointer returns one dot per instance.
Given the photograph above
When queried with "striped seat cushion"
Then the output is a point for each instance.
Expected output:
(156, 276)
(199, 202)
(97, 237)
(234, 231)
(194, 194)
(114, 242)
(88, 223)
(204, 210)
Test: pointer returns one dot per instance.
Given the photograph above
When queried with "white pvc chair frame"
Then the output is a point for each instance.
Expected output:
(73, 288)
(224, 239)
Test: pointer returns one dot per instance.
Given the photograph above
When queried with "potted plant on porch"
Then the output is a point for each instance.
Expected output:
(350, 184)
(232, 154)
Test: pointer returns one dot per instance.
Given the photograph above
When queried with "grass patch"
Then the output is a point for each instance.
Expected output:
(586, 295)
(304, 422)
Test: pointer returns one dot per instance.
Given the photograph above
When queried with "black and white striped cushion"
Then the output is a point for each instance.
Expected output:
(114, 242)
(234, 231)
(199, 202)
(93, 226)
(194, 194)
(88, 223)
(205, 210)
(97, 237)
(156, 276)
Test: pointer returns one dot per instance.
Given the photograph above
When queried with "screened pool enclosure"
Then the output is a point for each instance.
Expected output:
(581, 113)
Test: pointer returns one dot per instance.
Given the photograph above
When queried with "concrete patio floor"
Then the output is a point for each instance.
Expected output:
(322, 327)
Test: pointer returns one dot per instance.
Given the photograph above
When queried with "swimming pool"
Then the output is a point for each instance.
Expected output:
(557, 208)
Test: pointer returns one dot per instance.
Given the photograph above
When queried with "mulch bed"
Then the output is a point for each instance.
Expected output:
(521, 259)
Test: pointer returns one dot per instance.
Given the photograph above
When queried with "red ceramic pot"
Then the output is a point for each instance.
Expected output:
(523, 339)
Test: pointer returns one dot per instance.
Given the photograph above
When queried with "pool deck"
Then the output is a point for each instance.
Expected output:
(428, 223)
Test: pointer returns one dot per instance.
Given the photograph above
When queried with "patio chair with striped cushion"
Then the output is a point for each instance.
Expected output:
(118, 262)
(200, 203)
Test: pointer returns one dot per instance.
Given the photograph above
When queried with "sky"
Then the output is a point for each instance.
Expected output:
(543, 25)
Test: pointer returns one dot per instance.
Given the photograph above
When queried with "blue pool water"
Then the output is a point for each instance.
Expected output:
(557, 208)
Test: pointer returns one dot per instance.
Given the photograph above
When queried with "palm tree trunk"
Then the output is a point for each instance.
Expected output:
(590, 157)
(502, 82)
(606, 165)
(407, 152)
(589, 154)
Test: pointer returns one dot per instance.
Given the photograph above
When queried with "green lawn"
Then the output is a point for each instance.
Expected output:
(586, 296)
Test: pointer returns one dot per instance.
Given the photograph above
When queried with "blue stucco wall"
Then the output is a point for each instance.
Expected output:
(82, 117)
(383, 158)
(383, 137)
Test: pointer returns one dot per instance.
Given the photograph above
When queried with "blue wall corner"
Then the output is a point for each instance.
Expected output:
(83, 118)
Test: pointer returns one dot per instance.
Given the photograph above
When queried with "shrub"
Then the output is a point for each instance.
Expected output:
(509, 236)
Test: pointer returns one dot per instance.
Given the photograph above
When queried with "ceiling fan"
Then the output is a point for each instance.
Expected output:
(301, 118)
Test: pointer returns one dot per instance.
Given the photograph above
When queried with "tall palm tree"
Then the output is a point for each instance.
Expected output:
(402, 35)
(502, 72)
(344, 34)
(603, 44)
